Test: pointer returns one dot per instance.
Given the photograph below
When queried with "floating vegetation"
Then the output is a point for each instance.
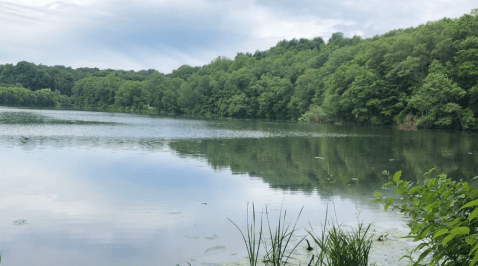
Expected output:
(20, 222)
(211, 237)
(223, 248)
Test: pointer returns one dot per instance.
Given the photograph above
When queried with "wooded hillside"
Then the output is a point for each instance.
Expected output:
(430, 71)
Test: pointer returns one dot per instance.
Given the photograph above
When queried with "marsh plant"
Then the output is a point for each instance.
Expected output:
(276, 247)
(252, 243)
(276, 253)
(338, 247)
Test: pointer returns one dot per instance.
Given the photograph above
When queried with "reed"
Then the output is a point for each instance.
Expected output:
(280, 238)
(252, 245)
(342, 248)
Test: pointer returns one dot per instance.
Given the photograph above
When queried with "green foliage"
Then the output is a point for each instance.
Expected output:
(280, 239)
(429, 71)
(276, 253)
(437, 98)
(342, 248)
(442, 216)
(314, 114)
(19, 96)
(252, 244)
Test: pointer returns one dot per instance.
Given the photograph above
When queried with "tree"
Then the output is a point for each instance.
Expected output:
(436, 99)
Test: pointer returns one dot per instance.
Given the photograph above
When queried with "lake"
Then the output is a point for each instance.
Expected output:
(93, 188)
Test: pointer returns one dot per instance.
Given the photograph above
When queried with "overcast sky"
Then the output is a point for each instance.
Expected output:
(165, 34)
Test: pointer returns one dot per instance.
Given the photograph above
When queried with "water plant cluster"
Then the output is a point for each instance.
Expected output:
(443, 219)
(334, 246)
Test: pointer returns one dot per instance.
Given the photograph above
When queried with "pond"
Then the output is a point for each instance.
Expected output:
(92, 188)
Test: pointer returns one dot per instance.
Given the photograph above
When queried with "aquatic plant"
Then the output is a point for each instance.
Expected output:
(280, 239)
(252, 245)
(276, 253)
(342, 248)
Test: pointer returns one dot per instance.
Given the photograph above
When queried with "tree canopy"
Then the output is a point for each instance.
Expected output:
(430, 71)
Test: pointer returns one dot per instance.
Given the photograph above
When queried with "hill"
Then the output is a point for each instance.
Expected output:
(430, 71)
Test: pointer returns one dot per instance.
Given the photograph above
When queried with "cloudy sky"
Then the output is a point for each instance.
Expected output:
(165, 34)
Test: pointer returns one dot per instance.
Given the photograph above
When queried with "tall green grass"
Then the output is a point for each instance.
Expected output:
(342, 248)
(276, 247)
(336, 247)
(252, 244)
(280, 239)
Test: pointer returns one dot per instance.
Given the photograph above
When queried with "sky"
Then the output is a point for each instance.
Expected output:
(165, 34)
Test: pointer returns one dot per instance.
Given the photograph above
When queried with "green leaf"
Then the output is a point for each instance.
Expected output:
(377, 200)
(474, 248)
(454, 222)
(447, 239)
(423, 255)
(431, 183)
(387, 184)
(470, 204)
(475, 259)
(396, 176)
(470, 240)
(377, 194)
(473, 214)
(440, 233)
(462, 230)
(413, 190)
(386, 206)
(415, 203)
(425, 232)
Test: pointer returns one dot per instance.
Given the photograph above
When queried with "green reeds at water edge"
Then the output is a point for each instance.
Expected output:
(277, 255)
(251, 244)
(336, 247)
(342, 248)
(275, 247)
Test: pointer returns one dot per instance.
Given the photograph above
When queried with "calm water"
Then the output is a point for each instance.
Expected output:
(88, 188)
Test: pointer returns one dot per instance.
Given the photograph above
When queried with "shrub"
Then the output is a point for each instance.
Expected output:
(443, 217)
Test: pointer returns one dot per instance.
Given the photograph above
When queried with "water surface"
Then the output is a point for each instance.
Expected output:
(91, 188)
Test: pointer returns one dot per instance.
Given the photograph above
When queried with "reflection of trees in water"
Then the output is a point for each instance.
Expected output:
(305, 163)
(32, 118)
(292, 163)
(34, 142)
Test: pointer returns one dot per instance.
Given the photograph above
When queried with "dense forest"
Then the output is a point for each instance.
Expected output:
(430, 71)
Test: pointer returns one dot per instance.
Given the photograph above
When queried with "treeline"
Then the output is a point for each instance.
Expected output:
(430, 71)
(19, 96)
